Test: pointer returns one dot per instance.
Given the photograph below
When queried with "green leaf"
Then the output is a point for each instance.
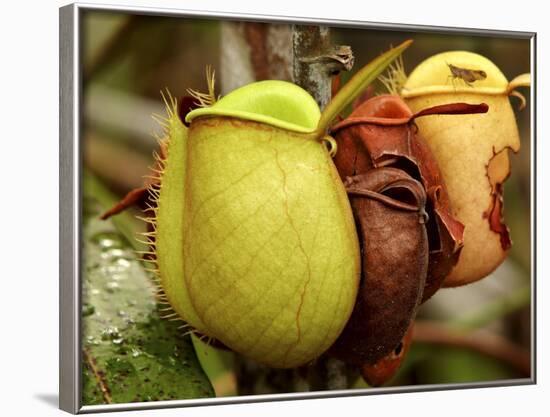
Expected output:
(129, 352)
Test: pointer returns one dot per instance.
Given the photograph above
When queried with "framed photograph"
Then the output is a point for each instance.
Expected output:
(254, 208)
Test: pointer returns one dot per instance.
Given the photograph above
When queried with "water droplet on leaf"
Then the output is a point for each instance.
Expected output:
(87, 310)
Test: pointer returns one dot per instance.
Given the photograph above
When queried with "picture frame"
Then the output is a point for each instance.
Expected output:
(71, 195)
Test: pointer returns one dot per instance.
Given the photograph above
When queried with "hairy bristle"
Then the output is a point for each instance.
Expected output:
(396, 76)
(209, 98)
(154, 188)
(154, 182)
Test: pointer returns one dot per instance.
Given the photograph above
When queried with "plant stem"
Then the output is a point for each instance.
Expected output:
(480, 341)
(309, 42)
(355, 86)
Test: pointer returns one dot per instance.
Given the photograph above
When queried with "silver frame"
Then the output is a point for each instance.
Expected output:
(70, 157)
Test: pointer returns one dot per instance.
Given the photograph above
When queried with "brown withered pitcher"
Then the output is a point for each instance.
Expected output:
(410, 239)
